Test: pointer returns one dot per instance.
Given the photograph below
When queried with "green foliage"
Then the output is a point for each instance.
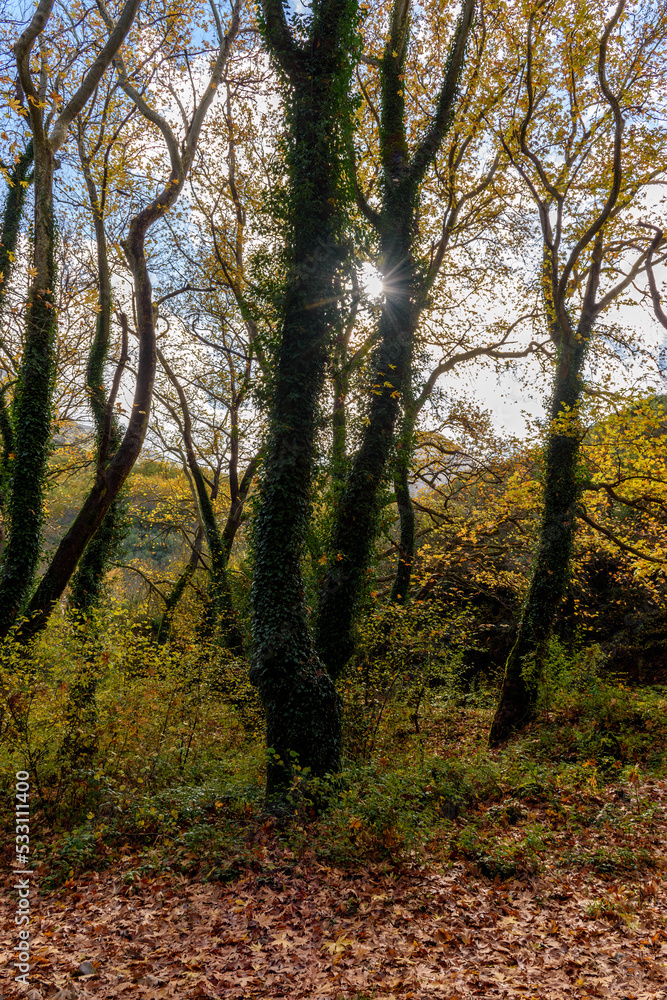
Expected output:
(499, 860)
(78, 851)
(405, 657)
(95, 709)
(162, 759)
(609, 723)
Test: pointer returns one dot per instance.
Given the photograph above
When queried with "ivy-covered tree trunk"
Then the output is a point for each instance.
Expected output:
(31, 410)
(111, 478)
(342, 363)
(302, 708)
(355, 523)
(518, 697)
(17, 180)
(406, 511)
(339, 427)
(357, 511)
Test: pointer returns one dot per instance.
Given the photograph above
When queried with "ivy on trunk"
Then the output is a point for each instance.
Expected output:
(31, 411)
(356, 513)
(517, 704)
(302, 706)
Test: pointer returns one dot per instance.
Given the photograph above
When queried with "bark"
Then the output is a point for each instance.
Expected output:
(356, 514)
(302, 707)
(355, 524)
(88, 580)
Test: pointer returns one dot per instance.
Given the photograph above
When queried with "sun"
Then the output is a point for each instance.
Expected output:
(371, 282)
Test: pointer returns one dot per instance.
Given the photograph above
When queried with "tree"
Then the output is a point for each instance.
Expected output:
(314, 57)
(88, 579)
(111, 474)
(32, 397)
(397, 223)
(568, 124)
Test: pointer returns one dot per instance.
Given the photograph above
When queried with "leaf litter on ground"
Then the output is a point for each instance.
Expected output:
(576, 925)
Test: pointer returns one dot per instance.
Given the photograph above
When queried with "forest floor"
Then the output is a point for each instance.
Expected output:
(558, 892)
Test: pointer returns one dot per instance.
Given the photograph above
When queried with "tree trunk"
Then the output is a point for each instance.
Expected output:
(518, 696)
(339, 427)
(88, 580)
(110, 479)
(406, 514)
(357, 512)
(219, 616)
(11, 226)
(302, 707)
(31, 411)
(163, 630)
(11, 219)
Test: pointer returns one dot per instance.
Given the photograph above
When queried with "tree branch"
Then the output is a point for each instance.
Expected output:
(617, 541)
(94, 74)
(279, 38)
(657, 241)
(442, 119)
(619, 124)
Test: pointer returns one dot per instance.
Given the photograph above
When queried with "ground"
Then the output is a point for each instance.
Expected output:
(585, 915)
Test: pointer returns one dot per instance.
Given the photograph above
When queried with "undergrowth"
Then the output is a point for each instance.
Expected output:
(140, 758)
